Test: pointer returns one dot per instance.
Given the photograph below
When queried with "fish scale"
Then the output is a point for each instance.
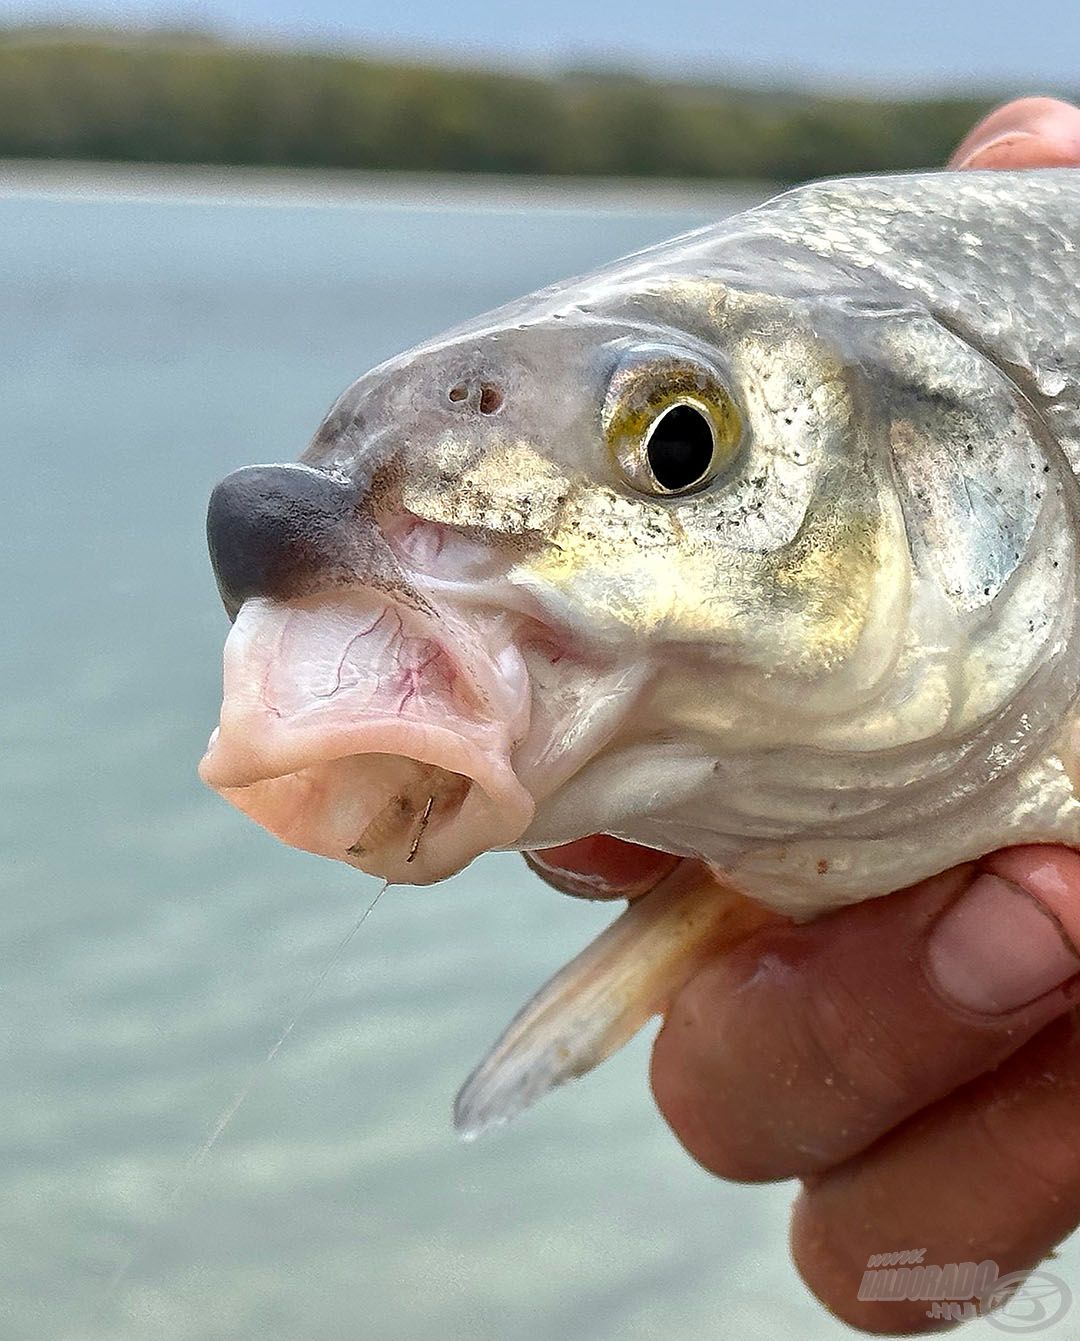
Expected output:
(995, 255)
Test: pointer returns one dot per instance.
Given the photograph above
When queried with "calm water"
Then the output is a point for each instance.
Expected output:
(153, 942)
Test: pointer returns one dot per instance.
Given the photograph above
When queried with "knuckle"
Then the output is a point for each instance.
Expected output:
(1042, 1168)
(869, 1057)
(852, 1073)
(769, 1066)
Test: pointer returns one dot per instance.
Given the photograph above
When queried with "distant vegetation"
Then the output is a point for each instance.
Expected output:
(181, 99)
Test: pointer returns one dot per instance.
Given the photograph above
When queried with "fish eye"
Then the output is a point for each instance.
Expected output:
(679, 447)
(670, 421)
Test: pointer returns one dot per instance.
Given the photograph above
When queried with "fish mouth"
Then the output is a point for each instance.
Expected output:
(373, 732)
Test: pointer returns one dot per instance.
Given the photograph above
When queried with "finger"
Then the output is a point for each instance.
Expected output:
(993, 1173)
(601, 867)
(1028, 133)
(805, 1044)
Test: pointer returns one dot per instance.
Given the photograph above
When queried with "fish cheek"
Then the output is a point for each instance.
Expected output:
(621, 565)
(825, 587)
(508, 488)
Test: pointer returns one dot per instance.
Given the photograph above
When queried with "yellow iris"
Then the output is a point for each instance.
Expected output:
(670, 422)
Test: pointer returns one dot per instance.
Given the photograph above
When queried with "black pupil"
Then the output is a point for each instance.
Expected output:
(681, 447)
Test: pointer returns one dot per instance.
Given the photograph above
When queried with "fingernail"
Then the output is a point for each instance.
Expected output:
(986, 151)
(997, 949)
(586, 884)
(600, 867)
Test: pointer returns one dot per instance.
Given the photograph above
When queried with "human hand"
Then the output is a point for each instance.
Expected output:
(915, 1060)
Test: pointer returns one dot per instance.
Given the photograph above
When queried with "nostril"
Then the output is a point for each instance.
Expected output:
(491, 398)
(488, 401)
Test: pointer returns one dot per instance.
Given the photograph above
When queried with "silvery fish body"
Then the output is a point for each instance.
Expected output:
(759, 546)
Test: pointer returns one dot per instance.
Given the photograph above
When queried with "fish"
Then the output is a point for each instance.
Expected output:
(758, 547)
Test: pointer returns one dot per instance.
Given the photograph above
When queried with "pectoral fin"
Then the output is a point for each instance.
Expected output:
(601, 999)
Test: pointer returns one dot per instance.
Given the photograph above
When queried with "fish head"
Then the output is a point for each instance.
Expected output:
(563, 570)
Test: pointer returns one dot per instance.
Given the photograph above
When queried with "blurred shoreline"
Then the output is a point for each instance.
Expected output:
(215, 184)
(132, 96)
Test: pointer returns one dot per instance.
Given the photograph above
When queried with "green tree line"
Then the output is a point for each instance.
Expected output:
(176, 99)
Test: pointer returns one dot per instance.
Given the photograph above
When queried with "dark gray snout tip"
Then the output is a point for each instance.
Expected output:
(270, 529)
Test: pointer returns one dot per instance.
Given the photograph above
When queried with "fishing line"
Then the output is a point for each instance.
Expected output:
(234, 1105)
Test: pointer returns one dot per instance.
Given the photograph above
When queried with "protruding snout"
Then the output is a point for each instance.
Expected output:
(270, 529)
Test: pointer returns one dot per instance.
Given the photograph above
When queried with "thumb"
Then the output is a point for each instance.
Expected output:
(834, 1031)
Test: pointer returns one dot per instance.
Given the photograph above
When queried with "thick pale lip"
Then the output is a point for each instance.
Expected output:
(375, 734)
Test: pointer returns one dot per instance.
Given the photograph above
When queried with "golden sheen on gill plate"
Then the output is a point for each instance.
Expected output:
(758, 547)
